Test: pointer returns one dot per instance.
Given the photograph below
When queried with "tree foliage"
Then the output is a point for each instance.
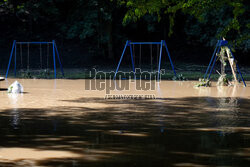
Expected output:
(232, 11)
(102, 26)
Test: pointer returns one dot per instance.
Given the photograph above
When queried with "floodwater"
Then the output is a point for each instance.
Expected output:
(59, 123)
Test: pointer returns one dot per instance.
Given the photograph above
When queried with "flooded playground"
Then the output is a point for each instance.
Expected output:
(59, 123)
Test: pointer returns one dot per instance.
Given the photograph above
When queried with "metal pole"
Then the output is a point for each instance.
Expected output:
(214, 63)
(145, 43)
(58, 57)
(169, 57)
(241, 75)
(121, 58)
(54, 58)
(13, 45)
(159, 65)
(35, 42)
(216, 47)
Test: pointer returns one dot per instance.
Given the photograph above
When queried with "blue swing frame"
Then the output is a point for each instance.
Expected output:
(55, 52)
(129, 44)
(217, 49)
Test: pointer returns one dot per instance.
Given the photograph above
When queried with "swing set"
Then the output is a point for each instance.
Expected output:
(21, 44)
(131, 46)
(221, 43)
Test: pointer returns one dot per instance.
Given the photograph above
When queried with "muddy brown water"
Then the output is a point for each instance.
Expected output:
(59, 123)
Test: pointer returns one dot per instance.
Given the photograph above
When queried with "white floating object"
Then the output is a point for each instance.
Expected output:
(2, 78)
(16, 87)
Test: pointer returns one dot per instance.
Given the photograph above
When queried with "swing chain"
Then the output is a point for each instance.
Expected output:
(41, 60)
(28, 61)
(47, 57)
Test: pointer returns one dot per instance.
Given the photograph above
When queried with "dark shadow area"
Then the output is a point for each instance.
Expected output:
(3, 89)
(193, 131)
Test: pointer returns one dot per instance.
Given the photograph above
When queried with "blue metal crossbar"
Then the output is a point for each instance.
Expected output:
(129, 44)
(34, 42)
(217, 49)
(145, 43)
(55, 52)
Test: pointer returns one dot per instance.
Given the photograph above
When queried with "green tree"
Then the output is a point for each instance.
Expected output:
(201, 10)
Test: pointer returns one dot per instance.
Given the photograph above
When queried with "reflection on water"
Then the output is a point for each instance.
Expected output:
(184, 126)
(203, 91)
(15, 120)
(15, 99)
(227, 109)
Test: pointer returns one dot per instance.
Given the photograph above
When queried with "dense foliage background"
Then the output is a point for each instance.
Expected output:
(92, 32)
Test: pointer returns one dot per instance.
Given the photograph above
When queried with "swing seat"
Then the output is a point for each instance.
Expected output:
(2, 78)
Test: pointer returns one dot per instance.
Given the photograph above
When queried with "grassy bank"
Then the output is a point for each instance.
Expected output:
(188, 71)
